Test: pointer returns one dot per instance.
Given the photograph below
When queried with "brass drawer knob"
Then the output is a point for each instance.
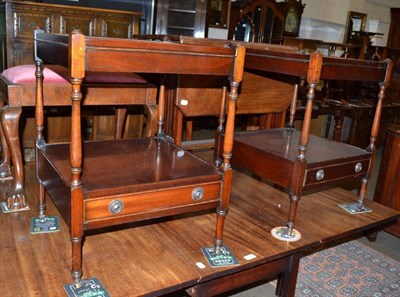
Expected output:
(197, 193)
(320, 174)
(115, 206)
(358, 167)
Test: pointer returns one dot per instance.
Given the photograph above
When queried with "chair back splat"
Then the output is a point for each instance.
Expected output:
(113, 182)
(296, 160)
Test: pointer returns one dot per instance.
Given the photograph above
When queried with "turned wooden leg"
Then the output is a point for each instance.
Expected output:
(76, 271)
(221, 215)
(10, 122)
(337, 134)
(294, 201)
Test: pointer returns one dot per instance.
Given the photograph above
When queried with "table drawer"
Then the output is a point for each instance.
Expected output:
(121, 205)
(336, 172)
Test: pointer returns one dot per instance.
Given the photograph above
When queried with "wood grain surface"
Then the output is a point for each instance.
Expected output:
(158, 257)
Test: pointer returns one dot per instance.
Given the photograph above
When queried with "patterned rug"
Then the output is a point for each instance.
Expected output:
(350, 269)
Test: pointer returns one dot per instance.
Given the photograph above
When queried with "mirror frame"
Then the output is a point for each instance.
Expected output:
(350, 15)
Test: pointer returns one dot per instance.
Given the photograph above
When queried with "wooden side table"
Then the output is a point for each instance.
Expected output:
(17, 91)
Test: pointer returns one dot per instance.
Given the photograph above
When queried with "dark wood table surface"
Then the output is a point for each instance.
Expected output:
(159, 256)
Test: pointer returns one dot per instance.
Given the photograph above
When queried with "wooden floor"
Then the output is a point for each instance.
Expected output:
(160, 256)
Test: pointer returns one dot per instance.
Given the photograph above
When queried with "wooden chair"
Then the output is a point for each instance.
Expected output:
(296, 160)
(17, 91)
(105, 183)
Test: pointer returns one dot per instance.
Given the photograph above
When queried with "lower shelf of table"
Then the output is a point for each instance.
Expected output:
(128, 180)
(272, 155)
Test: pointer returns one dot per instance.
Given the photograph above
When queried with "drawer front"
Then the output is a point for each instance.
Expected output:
(336, 172)
(114, 206)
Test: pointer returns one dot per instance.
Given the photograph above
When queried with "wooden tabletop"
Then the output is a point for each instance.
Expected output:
(158, 257)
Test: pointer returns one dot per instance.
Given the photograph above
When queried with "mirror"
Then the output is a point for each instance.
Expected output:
(355, 23)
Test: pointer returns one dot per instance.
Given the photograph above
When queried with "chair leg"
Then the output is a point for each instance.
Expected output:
(189, 130)
(10, 122)
(5, 165)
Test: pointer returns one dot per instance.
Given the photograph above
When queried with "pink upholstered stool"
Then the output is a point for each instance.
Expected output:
(17, 90)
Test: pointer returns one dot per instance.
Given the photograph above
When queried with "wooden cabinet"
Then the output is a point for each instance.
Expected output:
(218, 13)
(264, 20)
(181, 17)
(23, 17)
(394, 31)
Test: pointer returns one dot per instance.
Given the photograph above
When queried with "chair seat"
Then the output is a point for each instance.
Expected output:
(119, 170)
(278, 149)
(17, 87)
(25, 74)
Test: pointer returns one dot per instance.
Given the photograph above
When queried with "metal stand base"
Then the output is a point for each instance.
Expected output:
(282, 233)
(44, 225)
(354, 208)
(224, 258)
(88, 287)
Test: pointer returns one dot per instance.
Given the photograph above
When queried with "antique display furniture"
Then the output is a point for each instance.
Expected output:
(17, 91)
(265, 21)
(296, 160)
(105, 183)
(292, 10)
(387, 191)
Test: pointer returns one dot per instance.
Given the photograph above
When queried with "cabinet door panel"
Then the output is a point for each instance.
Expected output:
(86, 24)
(118, 27)
(26, 22)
